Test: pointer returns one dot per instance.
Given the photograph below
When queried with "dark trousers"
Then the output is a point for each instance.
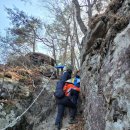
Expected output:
(61, 104)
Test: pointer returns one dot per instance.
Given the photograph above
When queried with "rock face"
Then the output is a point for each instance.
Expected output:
(106, 70)
(19, 88)
(37, 117)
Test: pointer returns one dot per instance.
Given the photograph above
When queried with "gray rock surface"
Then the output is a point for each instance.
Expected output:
(40, 116)
(105, 81)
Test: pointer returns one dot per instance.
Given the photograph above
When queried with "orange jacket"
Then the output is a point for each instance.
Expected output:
(67, 88)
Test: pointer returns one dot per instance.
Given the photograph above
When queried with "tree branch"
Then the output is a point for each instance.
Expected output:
(94, 2)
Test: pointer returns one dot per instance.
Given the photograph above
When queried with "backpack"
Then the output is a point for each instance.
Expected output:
(59, 93)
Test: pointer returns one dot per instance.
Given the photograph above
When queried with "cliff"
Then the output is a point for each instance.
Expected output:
(105, 74)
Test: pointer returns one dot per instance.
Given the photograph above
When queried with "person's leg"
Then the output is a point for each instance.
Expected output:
(73, 111)
(60, 114)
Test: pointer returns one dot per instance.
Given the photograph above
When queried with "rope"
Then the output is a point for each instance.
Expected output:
(14, 121)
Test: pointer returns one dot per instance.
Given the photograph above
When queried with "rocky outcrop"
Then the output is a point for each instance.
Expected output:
(105, 69)
(40, 59)
(30, 59)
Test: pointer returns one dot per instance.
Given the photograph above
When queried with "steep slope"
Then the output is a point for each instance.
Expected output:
(27, 106)
(26, 97)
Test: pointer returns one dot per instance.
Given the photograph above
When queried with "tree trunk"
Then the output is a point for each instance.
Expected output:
(78, 16)
(76, 32)
(89, 9)
(65, 49)
(34, 41)
(72, 55)
(54, 53)
(77, 60)
(72, 45)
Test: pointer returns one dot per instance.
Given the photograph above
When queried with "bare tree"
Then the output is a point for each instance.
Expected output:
(91, 7)
(59, 30)
(64, 31)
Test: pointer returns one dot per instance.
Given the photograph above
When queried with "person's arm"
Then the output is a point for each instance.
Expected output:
(76, 88)
(74, 91)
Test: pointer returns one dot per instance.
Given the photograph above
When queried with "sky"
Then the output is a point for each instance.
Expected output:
(30, 8)
(34, 8)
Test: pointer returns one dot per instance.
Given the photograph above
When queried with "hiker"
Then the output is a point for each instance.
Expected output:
(71, 90)
(60, 84)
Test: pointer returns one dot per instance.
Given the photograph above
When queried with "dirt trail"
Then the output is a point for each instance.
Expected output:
(78, 126)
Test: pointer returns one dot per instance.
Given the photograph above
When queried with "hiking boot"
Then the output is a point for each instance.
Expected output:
(58, 126)
(72, 121)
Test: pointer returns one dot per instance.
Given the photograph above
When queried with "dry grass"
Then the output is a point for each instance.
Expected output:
(19, 73)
